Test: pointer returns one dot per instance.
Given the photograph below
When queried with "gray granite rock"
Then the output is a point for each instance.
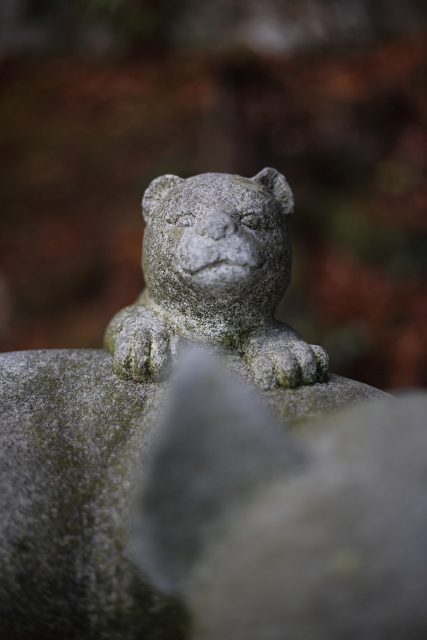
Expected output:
(73, 440)
(317, 534)
(216, 260)
(218, 442)
(76, 426)
(337, 551)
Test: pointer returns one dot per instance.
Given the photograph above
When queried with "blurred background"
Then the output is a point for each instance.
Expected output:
(98, 97)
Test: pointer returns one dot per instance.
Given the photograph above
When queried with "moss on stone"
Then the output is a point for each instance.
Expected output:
(74, 438)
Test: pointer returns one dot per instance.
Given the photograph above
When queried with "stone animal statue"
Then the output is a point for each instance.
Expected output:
(318, 536)
(74, 436)
(217, 260)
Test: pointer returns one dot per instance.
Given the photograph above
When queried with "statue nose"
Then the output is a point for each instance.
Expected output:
(216, 225)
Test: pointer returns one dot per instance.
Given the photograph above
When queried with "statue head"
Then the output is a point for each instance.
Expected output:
(217, 241)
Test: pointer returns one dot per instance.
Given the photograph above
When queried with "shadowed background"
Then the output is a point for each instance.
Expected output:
(98, 98)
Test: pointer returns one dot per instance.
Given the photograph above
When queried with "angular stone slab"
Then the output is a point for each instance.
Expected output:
(74, 438)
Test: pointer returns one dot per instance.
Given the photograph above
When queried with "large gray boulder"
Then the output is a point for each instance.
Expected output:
(73, 440)
(317, 534)
(337, 551)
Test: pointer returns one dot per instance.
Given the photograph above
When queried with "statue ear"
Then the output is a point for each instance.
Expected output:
(276, 182)
(156, 191)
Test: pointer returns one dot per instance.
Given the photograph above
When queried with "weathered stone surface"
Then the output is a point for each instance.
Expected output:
(74, 435)
(338, 551)
(317, 534)
(74, 438)
(217, 442)
(216, 260)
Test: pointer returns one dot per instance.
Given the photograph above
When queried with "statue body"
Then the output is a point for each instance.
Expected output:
(217, 260)
(74, 435)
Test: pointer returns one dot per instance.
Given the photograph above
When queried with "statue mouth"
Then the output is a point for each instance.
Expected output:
(245, 266)
(200, 255)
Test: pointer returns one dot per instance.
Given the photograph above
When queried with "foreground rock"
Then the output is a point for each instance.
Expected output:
(73, 440)
(339, 551)
(315, 534)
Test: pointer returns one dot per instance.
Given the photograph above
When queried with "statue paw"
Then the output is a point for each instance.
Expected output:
(140, 345)
(288, 362)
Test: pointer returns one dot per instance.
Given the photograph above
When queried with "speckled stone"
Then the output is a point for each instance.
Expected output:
(317, 533)
(216, 260)
(76, 426)
(74, 438)
(337, 551)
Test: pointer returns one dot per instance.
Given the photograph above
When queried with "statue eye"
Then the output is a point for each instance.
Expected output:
(185, 221)
(181, 221)
(251, 220)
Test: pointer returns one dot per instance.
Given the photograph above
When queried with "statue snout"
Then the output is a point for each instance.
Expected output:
(216, 225)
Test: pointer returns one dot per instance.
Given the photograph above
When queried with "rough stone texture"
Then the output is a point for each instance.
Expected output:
(74, 438)
(217, 442)
(318, 534)
(338, 551)
(216, 260)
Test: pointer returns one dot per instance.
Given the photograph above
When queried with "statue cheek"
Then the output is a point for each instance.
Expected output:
(162, 243)
(271, 243)
(172, 246)
(278, 256)
(174, 235)
(281, 243)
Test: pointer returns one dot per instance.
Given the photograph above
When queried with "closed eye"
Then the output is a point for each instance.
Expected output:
(182, 221)
(251, 221)
(185, 221)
